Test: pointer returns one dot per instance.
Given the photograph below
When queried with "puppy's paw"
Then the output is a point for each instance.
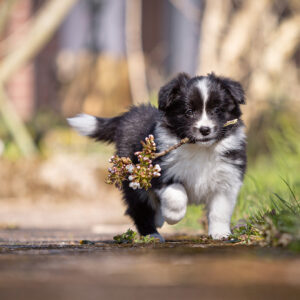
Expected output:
(173, 217)
(173, 203)
(220, 235)
(219, 231)
(157, 236)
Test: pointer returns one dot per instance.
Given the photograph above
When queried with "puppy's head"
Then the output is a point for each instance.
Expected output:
(199, 107)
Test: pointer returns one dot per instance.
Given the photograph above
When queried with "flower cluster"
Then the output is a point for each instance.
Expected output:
(140, 174)
(119, 171)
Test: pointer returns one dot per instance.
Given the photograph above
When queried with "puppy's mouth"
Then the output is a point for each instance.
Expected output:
(203, 140)
(207, 140)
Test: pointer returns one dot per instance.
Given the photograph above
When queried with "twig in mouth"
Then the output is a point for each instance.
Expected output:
(182, 142)
(140, 174)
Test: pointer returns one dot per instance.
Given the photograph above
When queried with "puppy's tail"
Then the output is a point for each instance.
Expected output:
(101, 129)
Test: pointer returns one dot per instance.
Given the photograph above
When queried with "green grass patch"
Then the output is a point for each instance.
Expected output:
(131, 237)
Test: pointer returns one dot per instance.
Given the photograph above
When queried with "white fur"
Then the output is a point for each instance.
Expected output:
(203, 86)
(173, 203)
(84, 124)
(204, 121)
(220, 209)
(232, 141)
(207, 177)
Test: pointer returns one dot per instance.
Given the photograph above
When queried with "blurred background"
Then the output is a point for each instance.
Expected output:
(59, 58)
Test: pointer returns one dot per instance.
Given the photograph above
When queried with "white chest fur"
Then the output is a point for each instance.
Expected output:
(202, 170)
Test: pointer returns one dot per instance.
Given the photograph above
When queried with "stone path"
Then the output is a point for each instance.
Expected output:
(51, 264)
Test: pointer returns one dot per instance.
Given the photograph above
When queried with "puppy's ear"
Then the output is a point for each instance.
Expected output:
(173, 91)
(234, 88)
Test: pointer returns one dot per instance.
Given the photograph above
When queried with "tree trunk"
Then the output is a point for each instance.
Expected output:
(135, 55)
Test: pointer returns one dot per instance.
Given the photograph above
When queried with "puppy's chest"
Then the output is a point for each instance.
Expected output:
(201, 171)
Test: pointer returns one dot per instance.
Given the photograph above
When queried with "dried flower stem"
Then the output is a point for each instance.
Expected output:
(182, 142)
(140, 174)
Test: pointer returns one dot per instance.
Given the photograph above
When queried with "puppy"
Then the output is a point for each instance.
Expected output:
(209, 169)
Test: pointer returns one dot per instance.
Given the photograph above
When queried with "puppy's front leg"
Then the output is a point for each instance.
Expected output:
(173, 201)
(219, 214)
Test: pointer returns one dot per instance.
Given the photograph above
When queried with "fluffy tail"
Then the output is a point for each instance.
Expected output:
(101, 129)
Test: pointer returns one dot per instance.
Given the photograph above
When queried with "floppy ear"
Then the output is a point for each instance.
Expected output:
(234, 88)
(173, 91)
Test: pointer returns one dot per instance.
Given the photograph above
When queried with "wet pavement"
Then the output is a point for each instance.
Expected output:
(52, 264)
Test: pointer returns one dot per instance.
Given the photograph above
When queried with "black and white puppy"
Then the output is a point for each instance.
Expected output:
(209, 169)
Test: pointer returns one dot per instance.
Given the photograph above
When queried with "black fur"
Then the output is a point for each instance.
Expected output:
(106, 129)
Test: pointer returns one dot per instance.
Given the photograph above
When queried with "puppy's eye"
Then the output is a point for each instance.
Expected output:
(215, 110)
(189, 112)
(220, 109)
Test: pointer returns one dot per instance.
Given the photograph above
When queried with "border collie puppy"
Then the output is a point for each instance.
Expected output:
(209, 169)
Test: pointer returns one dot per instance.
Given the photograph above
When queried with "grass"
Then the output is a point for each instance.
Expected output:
(131, 237)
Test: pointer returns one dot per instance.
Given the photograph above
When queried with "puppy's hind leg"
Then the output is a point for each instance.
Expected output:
(142, 210)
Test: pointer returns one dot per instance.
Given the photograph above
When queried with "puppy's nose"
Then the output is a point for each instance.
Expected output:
(204, 130)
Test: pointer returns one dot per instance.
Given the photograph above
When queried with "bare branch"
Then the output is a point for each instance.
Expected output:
(5, 9)
(242, 28)
(188, 9)
(43, 27)
(280, 47)
(15, 125)
(214, 22)
(182, 142)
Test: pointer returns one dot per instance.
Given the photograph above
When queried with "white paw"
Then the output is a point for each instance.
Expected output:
(219, 231)
(173, 203)
(220, 235)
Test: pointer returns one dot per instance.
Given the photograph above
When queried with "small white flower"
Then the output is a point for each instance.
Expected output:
(130, 178)
(130, 168)
(157, 168)
(156, 174)
(134, 185)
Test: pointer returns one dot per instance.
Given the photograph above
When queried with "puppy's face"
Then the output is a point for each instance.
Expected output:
(199, 107)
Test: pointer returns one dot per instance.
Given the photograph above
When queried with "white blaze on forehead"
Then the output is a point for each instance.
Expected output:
(203, 86)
